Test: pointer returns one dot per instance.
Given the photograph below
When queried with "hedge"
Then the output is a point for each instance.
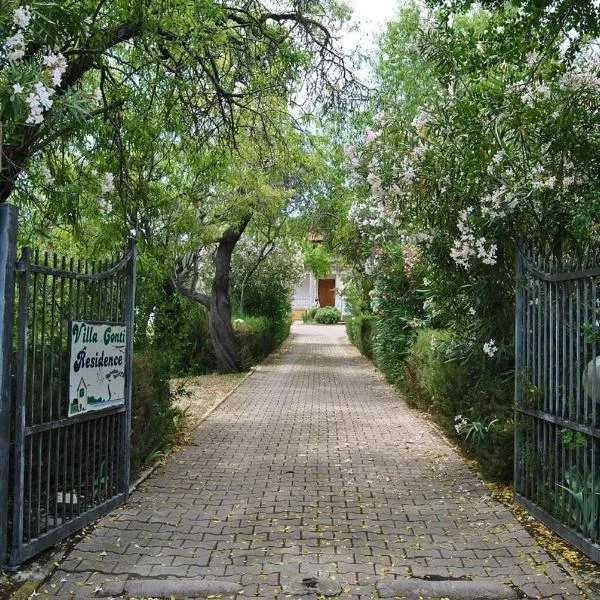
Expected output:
(360, 332)
(446, 389)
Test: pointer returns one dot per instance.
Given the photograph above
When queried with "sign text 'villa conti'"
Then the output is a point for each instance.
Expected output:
(97, 366)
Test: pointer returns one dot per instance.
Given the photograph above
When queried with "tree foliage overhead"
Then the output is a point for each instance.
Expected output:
(219, 63)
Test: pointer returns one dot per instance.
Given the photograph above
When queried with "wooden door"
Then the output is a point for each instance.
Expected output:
(326, 292)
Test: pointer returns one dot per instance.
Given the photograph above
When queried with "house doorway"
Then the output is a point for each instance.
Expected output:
(326, 292)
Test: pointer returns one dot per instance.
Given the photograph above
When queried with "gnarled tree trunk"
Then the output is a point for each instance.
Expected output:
(219, 304)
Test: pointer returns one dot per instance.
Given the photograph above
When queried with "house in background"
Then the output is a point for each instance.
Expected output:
(327, 290)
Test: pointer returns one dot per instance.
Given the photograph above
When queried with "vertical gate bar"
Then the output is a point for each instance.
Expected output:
(547, 379)
(20, 417)
(111, 454)
(130, 323)
(78, 293)
(576, 463)
(558, 345)
(592, 525)
(595, 371)
(55, 409)
(8, 255)
(95, 474)
(586, 321)
(578, 353)
(540, 332)
(530, 375)
(52, 339)
(42, 395)
(84, 467)
(564, 361)
(68, 441)
(571, 392)
(518, 363)
(550, 349)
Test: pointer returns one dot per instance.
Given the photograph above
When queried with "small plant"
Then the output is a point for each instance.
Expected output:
(475, 430)
(572, 439)
(308, 316)
(328, 315)
(585, 490)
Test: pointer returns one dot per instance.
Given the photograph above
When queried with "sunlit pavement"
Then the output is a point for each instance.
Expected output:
(314, 470)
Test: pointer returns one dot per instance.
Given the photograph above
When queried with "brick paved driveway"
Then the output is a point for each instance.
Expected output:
(314, 465)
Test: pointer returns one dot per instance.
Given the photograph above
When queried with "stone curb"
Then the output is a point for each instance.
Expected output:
(457, 590)
(225, 397)
(168, 588)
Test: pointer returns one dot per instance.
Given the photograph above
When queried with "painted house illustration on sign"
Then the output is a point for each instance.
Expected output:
(80, 401)
(327, 290)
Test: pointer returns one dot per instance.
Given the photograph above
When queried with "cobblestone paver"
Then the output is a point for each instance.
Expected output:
(314, 466)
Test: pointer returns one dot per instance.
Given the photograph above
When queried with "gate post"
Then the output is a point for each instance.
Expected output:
(519, 330)
(8, 251)
(130, 323)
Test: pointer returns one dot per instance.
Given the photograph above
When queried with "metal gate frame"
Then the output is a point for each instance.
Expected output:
(57, 473)
(557, 411)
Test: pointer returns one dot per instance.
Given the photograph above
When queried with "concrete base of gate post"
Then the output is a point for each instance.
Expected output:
(457, 590)
(168, 588)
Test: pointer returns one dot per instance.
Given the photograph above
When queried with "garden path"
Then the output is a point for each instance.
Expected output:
(313, 467)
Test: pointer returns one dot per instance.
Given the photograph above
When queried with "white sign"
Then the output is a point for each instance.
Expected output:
(97, 366)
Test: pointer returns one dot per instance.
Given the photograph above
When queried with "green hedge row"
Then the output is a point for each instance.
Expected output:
(446, 389)
(154, 421)
(360, 331)
(259, 336)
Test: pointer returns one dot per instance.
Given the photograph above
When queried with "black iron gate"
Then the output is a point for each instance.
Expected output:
(557, 442)
(60, 470)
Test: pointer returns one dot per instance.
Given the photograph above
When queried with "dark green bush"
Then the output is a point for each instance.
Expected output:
(153, 419)
(447, 388)
(258, 337)
(181, 334)
(360, 332)
(328, 315)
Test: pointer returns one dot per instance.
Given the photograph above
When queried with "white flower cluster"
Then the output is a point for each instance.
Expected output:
(467, 246)
(585, 78)
(371, 266)
(107, 185)
(530, 92)
(498, 203)
(423, 119)
(411, 258)
(16, 46)
(367, 215)
(47, 176)
(490, 348)
(39, 100)
(370, 136)
(374, 180)
(460, 424)
(351, 159)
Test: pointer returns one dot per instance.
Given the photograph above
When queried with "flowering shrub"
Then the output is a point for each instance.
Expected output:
(485, 135)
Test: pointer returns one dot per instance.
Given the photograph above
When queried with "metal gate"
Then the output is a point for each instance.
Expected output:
(557, 391)
(60, 471)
